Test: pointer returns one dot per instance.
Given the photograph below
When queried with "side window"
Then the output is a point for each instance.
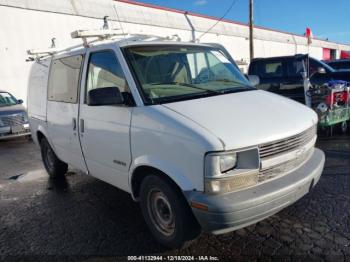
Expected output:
(64, 79)
(266, 69)
(221, 67)
(273, 69)
(104, 71)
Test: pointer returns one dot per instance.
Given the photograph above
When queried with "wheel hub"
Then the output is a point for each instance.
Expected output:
(161, 212)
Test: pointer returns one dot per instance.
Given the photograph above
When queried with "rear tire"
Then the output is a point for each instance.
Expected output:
(53, 166)
(167, 213)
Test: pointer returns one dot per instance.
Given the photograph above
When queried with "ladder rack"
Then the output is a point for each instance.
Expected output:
(99, 35)
(42, 52)
(103, 33)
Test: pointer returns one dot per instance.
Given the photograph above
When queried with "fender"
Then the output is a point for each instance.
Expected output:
(173, 172)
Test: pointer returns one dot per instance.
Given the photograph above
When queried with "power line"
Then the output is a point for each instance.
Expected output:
(222, 17)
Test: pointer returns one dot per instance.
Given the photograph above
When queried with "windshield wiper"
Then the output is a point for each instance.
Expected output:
(222, 91)
(191, 86)
(237, 89)
(178, 98)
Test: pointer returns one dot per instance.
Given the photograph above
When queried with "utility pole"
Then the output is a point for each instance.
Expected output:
(251, 29)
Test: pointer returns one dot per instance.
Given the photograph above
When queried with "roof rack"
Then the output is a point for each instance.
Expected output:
(48, 51)
(98, 35)
(35, 54)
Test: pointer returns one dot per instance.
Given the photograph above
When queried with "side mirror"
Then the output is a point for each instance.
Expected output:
(19, 101)
(254, 80)
(320, 70)
(105, 96)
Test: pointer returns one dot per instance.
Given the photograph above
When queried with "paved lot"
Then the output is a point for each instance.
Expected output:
(81, 216)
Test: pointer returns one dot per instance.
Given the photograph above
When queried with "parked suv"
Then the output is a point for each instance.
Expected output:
(177, 126)
(283, 75)
(13, 117)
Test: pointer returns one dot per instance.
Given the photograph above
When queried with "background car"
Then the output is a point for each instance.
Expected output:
(13, 117)
(283, 75)
(329, 92)
(340, 64)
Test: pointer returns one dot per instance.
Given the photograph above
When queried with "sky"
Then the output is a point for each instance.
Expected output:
(326, 18)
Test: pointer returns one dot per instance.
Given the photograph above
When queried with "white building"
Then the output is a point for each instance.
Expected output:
(27, 24)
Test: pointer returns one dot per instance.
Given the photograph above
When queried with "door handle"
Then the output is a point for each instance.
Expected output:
(82, 127)
(74, 123)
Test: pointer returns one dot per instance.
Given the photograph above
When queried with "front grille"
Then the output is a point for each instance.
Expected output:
(285, 167)
(13, 120)
(287, 144)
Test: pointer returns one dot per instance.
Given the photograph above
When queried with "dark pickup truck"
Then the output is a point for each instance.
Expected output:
(284, 75)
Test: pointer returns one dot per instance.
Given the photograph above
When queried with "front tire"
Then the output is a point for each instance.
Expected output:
(53, 166)
(167, 213)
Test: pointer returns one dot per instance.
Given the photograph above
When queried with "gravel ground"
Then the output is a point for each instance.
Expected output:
(82, 218)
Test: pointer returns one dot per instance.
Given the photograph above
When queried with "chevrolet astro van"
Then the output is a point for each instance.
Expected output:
(179, 127)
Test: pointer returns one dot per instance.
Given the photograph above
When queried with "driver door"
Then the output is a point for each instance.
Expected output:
(105, 129)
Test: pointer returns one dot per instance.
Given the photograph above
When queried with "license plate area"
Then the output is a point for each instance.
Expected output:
(17, 129)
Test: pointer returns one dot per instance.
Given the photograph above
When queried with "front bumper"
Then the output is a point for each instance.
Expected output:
(229, 212)
(7, 132)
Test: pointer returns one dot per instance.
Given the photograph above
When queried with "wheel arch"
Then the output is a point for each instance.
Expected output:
(142, 171)
(41, 133)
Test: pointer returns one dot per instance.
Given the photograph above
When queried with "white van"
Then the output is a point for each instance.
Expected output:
(177, 126)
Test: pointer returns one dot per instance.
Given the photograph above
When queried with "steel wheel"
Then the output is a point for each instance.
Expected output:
(160, 212)
(50, 159)
(53, 165)
(166, 212)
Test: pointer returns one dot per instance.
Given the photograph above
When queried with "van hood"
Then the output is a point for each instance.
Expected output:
(248, 118)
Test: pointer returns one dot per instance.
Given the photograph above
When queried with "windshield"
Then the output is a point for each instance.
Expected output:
(7, 99)
(315, 64)
(176, 73)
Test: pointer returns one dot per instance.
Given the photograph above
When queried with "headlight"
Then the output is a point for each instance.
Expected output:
(230, 171)
(216, 164)
(25, 117)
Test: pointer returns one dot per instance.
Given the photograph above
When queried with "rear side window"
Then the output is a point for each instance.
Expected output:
(64, 79)
(267, 69)
(273, 69)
